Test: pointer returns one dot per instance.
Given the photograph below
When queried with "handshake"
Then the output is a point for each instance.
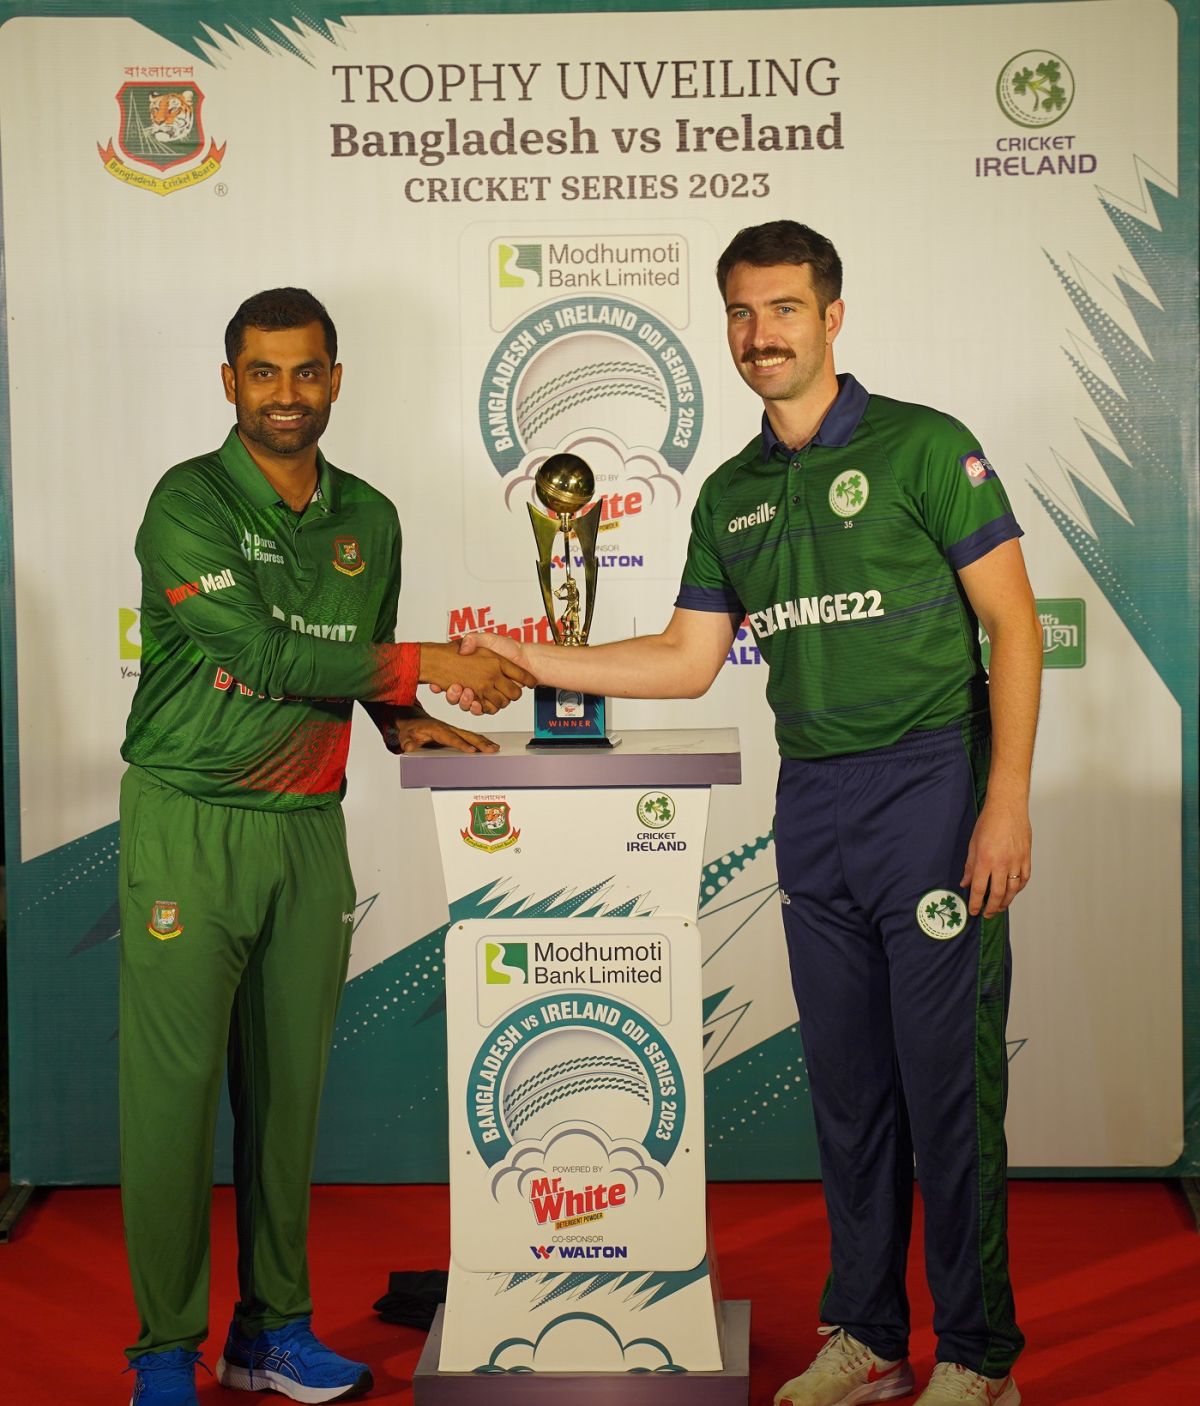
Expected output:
(482, 673)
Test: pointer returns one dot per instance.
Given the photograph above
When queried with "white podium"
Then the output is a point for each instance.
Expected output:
(580, 1268)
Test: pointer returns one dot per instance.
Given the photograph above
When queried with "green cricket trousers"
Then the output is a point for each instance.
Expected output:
(235, 933)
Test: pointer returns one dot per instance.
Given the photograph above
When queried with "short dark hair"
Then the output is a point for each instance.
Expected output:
(276, 310)
(785, 242)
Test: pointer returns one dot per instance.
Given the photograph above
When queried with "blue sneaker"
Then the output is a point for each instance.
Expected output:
(291, 1361)
(165, 1378)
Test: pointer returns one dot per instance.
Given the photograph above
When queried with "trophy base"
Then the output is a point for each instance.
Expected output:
(566, 718)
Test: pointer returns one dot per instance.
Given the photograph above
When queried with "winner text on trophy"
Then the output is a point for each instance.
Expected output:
(565, 485)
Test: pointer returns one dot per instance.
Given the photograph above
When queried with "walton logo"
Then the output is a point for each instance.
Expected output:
(161, 127)
(1035, 88)
(581, 1252)
(506, 963)
(519, 265)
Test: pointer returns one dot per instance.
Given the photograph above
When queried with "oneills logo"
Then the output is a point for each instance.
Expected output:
(161, 128)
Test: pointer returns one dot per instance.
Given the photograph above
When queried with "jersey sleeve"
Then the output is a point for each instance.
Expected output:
(194, 558)
(704, 585)
(960, 496)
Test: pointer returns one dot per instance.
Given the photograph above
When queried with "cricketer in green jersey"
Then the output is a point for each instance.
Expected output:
(864, 540)
(270, 582)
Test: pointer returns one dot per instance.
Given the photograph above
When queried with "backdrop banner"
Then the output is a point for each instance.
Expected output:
(513, 212)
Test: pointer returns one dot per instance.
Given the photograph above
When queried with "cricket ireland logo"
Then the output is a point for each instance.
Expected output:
(941, 914)
(505, 963)
(656, 810)
(161, 127)
(848, 493)
(164, 920)
(491, 825)
(1035, 88)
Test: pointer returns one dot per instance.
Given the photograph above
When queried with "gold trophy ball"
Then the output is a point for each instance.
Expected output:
(565, 484)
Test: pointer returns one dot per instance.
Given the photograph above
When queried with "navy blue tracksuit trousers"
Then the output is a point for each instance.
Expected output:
(903, 998)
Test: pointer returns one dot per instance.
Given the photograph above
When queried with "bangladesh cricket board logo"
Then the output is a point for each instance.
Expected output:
(491, 826)
(161, 128)
(164, 920)
(348, 557)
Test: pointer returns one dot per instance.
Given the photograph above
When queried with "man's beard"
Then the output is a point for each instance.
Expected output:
(256, 427)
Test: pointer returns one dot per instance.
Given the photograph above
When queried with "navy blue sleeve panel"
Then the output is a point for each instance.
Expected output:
(723, 600)
(983, 540)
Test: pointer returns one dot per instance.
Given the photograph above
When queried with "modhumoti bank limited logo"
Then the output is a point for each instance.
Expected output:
(1035, 88)
(599, 370)
(160, 128)
(518, 265)
(506, 963)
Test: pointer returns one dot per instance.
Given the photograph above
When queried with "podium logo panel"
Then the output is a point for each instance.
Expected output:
(636, 966)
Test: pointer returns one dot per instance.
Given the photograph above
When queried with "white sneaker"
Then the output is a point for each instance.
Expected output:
(846, 1373)
(951, 1383)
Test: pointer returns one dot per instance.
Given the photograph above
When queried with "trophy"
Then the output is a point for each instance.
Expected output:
(564, 484)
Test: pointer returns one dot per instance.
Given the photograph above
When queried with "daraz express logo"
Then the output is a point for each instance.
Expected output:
(505, 963)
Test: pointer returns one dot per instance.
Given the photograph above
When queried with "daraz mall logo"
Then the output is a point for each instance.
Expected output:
(506, 963)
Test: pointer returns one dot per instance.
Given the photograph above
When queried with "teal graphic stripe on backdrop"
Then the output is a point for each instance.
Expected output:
(1148, 563)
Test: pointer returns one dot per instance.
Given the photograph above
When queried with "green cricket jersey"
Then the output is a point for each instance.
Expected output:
(843, 556)
(260, 626)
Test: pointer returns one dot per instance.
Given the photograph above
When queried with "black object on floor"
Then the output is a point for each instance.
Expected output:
(413, 1297)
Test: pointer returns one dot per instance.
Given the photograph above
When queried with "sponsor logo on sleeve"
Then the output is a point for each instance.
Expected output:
(977, 468)
(208, 584)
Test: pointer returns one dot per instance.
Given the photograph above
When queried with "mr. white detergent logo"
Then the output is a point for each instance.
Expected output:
(577, 1106)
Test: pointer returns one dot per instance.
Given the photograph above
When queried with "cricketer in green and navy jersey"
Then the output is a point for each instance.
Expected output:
(843, 556)
(260, 626)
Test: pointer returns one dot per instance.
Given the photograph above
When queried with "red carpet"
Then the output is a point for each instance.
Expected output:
(1107, 1278)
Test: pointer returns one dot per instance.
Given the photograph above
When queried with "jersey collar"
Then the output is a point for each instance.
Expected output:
(235, 457)
(835, 430)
